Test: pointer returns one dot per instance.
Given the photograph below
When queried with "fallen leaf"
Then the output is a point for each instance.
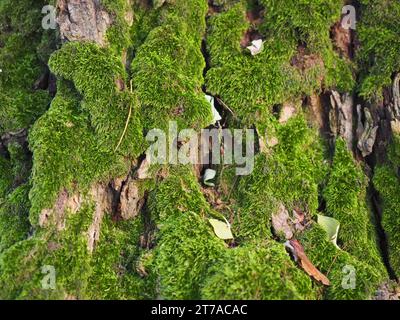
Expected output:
(209, 175)
(331, 226)
(305, 263)
(256, 47)
(221, 229)
(216, 116)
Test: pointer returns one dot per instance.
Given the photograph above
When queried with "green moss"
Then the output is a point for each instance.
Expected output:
(269, 78)
(180, 192)
(168, 69)
(387, 183)
(336, 264)
(20, 35)
(144, 20)
(112, 266)
(14, 212)
(6, 177)
(379, 34)
(118, 33)
(261, 271)
(346, 201)
(94, 72)
(187, 248)
(20, 272)
(103, 274)
(186, 245)
(75, 141)
(67, 152)
(290, 174)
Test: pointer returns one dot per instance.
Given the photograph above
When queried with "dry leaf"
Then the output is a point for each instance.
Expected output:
(305, 263)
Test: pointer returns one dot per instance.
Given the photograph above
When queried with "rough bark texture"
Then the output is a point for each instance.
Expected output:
(83, 20)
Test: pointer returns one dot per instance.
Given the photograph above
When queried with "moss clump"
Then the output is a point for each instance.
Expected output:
(6, 177)
(118, 34)
(24, 283)
(379, 34)
(289, 174)
(113, 274)
(258, 83)
(262, 271)
(186, 245)
(180, 192)
(336, 264)
(346, 201)
(14, 212)
(103, 274)
(186, 249)
(94, 72)
(387, 183)
(168, 69)
(20, 64)
(88, 124)
(67, 152)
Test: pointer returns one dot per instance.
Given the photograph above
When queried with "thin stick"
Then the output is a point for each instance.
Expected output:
(126, 124)
(225, 106)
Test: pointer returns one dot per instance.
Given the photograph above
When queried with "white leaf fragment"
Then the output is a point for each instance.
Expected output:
(256, 47)
(209, 175)
(216, 116)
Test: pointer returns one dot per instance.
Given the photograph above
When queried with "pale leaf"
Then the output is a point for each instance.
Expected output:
(331, 226)
(221, 229)
(256, 47)
(216, 116)
(209, 175)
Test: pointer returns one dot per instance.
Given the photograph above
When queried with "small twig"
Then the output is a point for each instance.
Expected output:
(225, 106)
(126, 123)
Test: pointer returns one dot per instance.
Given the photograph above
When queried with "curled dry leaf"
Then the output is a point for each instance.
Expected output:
(300, 256)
